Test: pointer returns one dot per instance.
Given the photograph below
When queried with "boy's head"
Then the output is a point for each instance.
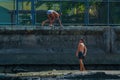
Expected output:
(81, 41)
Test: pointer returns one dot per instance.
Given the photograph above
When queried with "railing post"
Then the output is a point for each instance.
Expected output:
(16, 12)
(108, 13)
(32, 12)
(86, 17)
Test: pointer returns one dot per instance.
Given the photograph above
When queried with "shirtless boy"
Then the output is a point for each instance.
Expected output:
(52, 16)
(81, 53)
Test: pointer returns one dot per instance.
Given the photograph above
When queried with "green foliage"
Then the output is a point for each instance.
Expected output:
(114, 14)
(38, 4)
(49, 5)
(72, 11)
(25, 19)
(70, 6)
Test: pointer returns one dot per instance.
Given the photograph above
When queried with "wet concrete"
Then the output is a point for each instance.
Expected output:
(63, 75)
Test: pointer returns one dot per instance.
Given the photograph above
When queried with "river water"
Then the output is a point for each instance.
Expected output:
(97, 76)
(38, 78)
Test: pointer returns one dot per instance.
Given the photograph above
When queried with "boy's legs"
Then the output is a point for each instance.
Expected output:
(45, 22)
(82, 68)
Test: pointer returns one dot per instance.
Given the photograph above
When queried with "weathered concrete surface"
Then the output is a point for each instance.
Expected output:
(116, 40)
(45, 45)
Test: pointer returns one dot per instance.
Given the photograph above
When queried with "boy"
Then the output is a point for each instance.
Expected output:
(81, 53)
(52, 16)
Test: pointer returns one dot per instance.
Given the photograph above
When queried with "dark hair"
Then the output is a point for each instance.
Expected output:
(82, 40)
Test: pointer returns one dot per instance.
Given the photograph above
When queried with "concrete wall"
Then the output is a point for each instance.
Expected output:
(36, 45)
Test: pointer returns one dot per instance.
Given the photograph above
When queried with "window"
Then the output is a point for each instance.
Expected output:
(98, 13)
(114, 13)
(6, 11)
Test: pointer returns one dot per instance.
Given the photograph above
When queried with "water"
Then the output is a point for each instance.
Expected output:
(96, 76)
(38, 78)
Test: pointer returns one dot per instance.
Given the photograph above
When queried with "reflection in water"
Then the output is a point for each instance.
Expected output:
(38, 78)
(74, 78)
(95, 76)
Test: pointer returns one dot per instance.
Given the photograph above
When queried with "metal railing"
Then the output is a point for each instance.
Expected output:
(74, 12)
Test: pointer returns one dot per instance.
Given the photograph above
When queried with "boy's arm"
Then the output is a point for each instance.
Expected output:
(51, 19)
(85, 51)
(77, 50)
(60, 22)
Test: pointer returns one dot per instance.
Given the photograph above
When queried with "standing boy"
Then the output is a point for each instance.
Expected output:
(81, 53)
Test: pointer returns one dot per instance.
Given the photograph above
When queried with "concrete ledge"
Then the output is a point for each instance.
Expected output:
(46, 30)
(21, 27)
